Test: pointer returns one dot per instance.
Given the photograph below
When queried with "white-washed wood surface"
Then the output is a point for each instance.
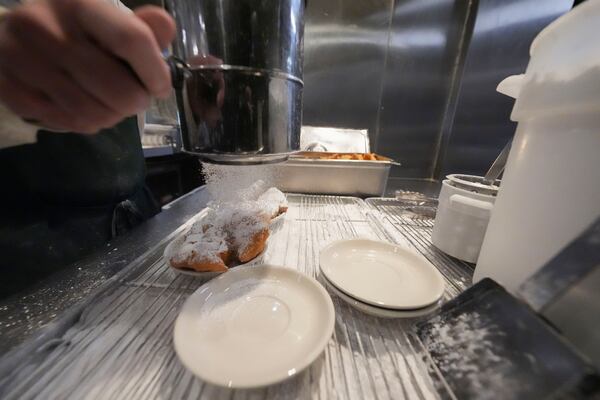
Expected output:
(121, 347)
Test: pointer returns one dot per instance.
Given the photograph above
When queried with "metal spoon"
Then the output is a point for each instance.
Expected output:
(497, 166)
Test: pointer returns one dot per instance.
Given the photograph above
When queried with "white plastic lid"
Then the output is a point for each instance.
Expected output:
(563, 75)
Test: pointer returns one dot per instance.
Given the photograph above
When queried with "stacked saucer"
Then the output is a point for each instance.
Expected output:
(381, 279)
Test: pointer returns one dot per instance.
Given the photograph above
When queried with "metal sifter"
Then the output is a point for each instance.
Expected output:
(237, 72)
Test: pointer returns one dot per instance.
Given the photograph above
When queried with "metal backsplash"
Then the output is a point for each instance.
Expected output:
(502, 35)
(423, 54)
(345, 45)
(420, 75)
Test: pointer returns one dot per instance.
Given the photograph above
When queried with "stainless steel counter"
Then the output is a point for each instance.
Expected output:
(116, 342)
(22, 316)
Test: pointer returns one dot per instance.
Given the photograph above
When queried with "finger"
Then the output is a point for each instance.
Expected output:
(129, 38)
(87, 114)
(160, 22)
(31, 104)
(110, 81)
(101, 76)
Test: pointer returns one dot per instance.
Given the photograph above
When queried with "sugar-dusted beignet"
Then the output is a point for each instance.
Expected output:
(273, 202)
(206, 251)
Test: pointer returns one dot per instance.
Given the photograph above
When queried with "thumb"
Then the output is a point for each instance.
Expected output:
(160, 22)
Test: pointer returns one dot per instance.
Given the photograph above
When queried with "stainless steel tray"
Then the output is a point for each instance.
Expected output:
(339, 177)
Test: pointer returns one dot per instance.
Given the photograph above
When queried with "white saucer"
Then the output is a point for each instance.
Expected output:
(382, 274)
(253, 326)
(378, 311)
(278, 219)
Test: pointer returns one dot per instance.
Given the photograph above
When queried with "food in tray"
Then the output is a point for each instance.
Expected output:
(353, 156)
(231, 233)
(341, 156)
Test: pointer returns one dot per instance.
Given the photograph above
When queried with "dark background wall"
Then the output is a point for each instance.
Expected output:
(421, 75)
(499, 47)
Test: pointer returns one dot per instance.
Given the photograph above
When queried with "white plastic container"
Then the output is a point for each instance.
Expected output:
(461, 221)
(551, 186)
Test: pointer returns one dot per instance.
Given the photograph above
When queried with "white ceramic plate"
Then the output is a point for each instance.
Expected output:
(378, 311)
(277, 222)
(382, 274)
(254, 326)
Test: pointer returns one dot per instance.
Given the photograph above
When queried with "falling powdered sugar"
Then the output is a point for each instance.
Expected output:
(234, 183)
(236, 225)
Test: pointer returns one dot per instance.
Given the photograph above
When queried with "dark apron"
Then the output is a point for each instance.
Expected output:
(65, 196)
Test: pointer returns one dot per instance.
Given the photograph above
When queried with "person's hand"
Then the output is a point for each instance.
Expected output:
(82, 65)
